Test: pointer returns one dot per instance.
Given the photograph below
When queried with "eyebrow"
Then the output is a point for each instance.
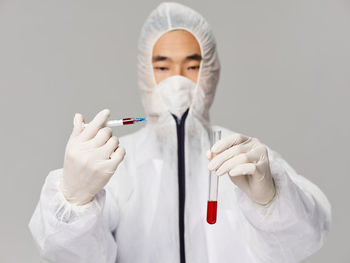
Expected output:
(159, 58)
(194, 56)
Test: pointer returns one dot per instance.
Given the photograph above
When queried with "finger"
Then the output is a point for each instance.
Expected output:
(243, 169)
(232, 163)
(257, 154)
(249, 156)
(116, 157)
(102, 137)
(78, 122)
(105, 151)
(219, 159)
(228, 142)
(97, 123)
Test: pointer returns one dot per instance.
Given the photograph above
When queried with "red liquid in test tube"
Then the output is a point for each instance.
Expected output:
(211, 211)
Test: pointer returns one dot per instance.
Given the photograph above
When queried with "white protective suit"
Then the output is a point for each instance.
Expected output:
(153, 210)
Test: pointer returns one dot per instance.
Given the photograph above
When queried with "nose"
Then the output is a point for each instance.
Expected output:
(177, 71)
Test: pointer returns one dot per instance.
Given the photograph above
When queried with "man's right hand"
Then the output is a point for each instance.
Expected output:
(92, 155)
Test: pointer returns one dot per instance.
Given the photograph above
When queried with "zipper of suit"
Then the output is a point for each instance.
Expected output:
(180, 129)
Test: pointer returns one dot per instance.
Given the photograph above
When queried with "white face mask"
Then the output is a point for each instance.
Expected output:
(175, 94)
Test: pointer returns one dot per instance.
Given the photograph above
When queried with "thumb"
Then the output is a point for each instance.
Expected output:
(78, 122)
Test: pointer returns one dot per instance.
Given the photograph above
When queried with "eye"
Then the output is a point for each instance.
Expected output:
(193, 68)
(161, 68)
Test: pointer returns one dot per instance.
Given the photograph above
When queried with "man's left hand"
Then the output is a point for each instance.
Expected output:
(246, 161)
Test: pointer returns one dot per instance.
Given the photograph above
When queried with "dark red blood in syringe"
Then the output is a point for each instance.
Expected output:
(128, 121)
(211, 211)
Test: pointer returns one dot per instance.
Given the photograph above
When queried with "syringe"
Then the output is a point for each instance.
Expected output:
(125, 121)
(213, 184)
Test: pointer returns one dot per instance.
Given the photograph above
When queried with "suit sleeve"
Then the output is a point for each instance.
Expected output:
(292, 227)
(68, 233)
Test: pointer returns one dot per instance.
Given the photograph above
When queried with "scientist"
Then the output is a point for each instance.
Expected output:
(143, 198)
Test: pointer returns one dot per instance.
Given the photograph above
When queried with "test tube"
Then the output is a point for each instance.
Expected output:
(213, 184)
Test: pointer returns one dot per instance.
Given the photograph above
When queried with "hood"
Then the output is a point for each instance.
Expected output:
(171, 16)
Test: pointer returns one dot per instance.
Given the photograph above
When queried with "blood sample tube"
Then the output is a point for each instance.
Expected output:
(213, 184)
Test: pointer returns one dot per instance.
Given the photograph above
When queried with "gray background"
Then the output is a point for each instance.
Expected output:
(285, 79)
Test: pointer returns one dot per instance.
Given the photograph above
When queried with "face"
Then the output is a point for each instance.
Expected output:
(176, 52)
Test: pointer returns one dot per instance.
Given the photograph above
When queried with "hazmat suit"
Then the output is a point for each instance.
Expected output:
(153, 209)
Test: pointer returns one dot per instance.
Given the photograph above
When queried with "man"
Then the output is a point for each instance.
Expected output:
(153, 207)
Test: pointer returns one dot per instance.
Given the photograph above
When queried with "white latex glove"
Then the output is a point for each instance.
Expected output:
(246, 161)
(92, 155)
